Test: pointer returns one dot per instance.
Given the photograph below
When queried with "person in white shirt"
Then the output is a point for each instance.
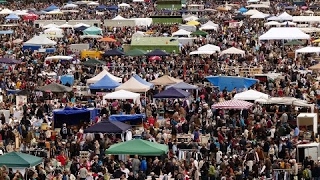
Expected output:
(125, 170)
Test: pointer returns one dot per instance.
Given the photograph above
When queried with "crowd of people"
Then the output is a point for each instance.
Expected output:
(259, 143)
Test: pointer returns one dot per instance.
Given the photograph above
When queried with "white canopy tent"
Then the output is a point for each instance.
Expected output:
(66, 25)
(210, 23)
(53, 32)
(272, 23)
(208, 27)
(50, 26)
(191, 18)
(70, 5)
(40, 40)
(206, 49)
(81, 24)
(181, 32)
(288, 23)
(285, 17)
(21, 12)
(123, 94)
(251, 95)
(133, 85)
(6, 11)
(101, 75)
(280, 33)
(124, 5)
(259, 16)
(59, 57)
(308, 49)
(251, 12)
(119, 18)
(266, 6)
(143, 21)
(273, 18)
(286, 101)
(232, 50)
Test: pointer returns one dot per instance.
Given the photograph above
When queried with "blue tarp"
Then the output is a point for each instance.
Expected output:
(172, 93)
(71, 116)
(6, 32)
(231, 82)
(70, 110)
(127, 117)
(142, 81)
(12, 91)
(113, 7)
(67, 79)
(51, 8)
(105, 83)
(94, 112)
(243, 10)
(101, 7)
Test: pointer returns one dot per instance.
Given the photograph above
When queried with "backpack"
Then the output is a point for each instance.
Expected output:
(212, 170)
(305, 174)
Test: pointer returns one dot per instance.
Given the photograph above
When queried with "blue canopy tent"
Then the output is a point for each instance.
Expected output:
(231, 82)
(67, 79)
(172, 93)
(105, 83)
(243, 10)
(51, 8)
(12, 17)
(106, 126)
(183, 85)
(12, 91)
(70, 116)
(128, 117)
(112, 8)
(81, 28)
(101, 7)
(142, 81)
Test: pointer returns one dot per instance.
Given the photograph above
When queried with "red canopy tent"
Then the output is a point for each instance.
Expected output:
(233, 104)
(30, 17)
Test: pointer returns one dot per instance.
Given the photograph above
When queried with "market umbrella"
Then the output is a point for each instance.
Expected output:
(106, 126)
(94, 62)
(293, 43)
(138, 147)
(199, 33)
(136, 52)
(157, 52)
(19, 160)
(107, 39)
(55, 88)
(113, 52)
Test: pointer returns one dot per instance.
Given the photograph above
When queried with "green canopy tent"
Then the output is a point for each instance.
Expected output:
(199, 33)
(93, 30)
(138, 147)
(19, 160)
(293, 43)
(94, 62)
(136, 52)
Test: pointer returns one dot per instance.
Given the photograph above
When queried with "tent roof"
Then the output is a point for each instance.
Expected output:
(183, 85)
(233, 104)
(308, 49)
(231, 82)
(133, 85)
(101, 75)
(105, 83)
(251, 95)
(285, 101)
(70, 110)
(232, 50)
(118, 18)
(122, 94)
(55, 88)
(209, 47)
(172, 93)
(19, 160)
(138, 78)
(165, 80)
(106, 126)
(40, 40)
(138, 147)
(181, 32)
(251, 12)
(280, 33)
(285, 17)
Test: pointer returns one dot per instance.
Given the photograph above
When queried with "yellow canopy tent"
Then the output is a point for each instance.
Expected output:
(193, 23)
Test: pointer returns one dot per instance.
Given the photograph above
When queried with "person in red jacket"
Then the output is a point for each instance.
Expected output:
(62, 159)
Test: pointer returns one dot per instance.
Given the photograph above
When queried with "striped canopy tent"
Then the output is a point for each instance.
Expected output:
(233, 104)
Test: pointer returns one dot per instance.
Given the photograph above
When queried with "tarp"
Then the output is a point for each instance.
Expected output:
(127, 117)
(19, 160)
(172, 93)
(133, 85)
(183, 85)
(231, 82)
(101, 75)
(55, 88)
(251, 95)
(165, 80)
(281, 33)
(107, 126)
(138, 78)
(233, 104)
(71, 110)
(105, 83)
(138, 147)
